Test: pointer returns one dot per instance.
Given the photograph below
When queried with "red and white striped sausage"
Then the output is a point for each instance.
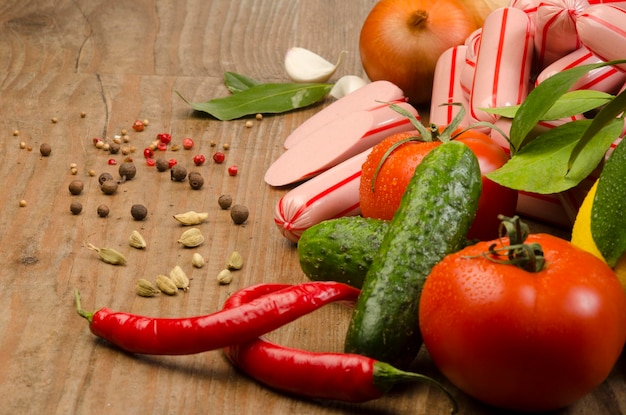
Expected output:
(332, 194)
(367, 97)
(337, 141)
(555, 29)
(469, 68)
(618, 3)
(527, 6)
(447, 86)
(606, 79)
(602, 29)
(504, 62)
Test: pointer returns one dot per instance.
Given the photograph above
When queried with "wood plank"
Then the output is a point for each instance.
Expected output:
(119, 61)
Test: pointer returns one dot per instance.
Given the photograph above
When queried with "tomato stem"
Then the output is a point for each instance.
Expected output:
(529, 257)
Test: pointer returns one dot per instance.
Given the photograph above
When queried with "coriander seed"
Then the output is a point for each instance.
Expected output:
(45, 149)
(138, 212)
(76, 187)
(239, 214)
(225, 201)
(22, 203)
(76, 208)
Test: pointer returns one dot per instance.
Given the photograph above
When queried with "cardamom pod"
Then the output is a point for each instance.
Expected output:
(136, 240)
(180, 279)
(145, 288)
(197, 260)
(191, 238)
(225, 277)
(166, 285)
(235, 261)
(108, 255)
(191, 217)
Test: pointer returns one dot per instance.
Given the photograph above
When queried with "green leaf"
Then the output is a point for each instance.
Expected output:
(608, 221)
(541, 166)
(606, 115)
(571, 103)
(543, 97)
(236, 82)
(265, 99)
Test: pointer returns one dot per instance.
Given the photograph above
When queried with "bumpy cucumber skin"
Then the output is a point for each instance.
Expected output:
(431, 222)
(341, 249)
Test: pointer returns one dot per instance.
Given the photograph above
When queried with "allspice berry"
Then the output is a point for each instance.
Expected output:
(109, 187)
(103, 211)
(45, 149)
(104, 177)
(127, 170)
(138, 212)
(76, 187)
(76, 208)
(162, 164)
(178, 173)
(225, 201)
(239, 214)
(196, 181)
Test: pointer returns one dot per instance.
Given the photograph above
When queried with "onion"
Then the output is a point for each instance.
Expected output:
(401, 40)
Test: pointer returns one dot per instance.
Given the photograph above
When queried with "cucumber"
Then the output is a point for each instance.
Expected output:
(340, 249)
(432, 221)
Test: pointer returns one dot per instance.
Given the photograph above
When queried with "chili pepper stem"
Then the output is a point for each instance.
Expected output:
(85, 314)
(386, 375)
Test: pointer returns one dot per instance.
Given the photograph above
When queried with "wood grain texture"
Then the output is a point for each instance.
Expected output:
(118, 61)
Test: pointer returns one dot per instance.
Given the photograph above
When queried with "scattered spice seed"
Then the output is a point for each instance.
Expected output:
(103, 211)
(166, 285)
(114, 148)
(138, 125)
(138, 212)
(191, 217)
(161, 146)
(212, 143)
(174, 147)
(233, 170)
(219, 157)
(165, 138)
(104, 177)
(16, 132)
(225, 277)
(188, 143)
(249, 124)
(150, 162)
(83, 114)
(22, 145)
(109, 187)
(76, 187)
(178, 173)
(145, 288)
(259, 117)
(22, 203)
(136, 240)
(91, 172)
(172, 162)
(111, 162)
(162, 164)
(235, 261)
(45, 149)
(226, 146)
(54, 120)
(76, 208)
(108, 255)
(73, 171)
(197, 260)
(127, 170)
(239, 214)
(225, 201)
(180, 279)
(191, 238)
(146, 122)
(196, 181)
(148, 153)
(199, 159)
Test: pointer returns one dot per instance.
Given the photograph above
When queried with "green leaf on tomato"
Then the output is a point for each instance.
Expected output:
(542, 166)
(571, 103)
(270, 98)
(608, 221)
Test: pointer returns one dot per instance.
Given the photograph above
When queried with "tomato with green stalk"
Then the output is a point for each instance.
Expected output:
(391, 163)
(527, 322)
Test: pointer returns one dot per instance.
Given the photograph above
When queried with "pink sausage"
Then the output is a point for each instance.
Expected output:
(367, 97)
(606, 79)
(332, 194)
(618, 3)
(469, 68)
(504, 62)
(527, 6)
(447, 86)
(555, 29)
(602, 29)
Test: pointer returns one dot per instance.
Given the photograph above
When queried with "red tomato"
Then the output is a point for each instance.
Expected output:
(520, 340)
(399, 166)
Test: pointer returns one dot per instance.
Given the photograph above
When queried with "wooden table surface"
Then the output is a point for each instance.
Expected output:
(118, 61)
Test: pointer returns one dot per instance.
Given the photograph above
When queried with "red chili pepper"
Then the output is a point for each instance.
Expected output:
(276, 305)
(316, 375)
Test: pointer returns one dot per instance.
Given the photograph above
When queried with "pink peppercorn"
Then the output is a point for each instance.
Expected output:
(219, 157)
(188, 143)
(164, 138)
(148, 153)
(233, 170)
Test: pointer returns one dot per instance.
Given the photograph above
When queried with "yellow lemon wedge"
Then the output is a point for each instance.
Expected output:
(582, 238)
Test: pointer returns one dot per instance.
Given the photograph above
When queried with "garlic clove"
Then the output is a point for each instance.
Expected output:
(302, 65)
(346, 85)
